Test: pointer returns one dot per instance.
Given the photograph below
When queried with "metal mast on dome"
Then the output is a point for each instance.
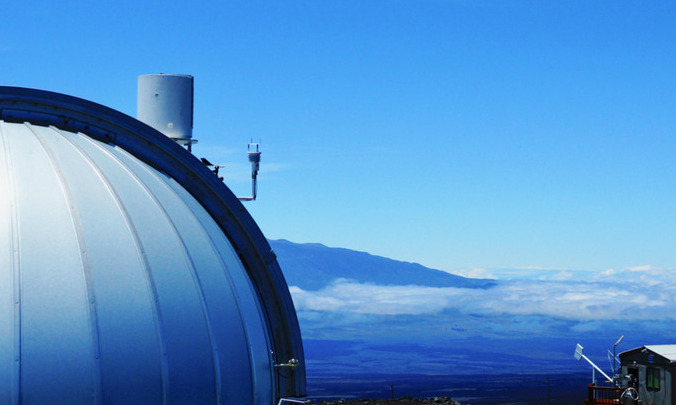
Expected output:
(165, 102)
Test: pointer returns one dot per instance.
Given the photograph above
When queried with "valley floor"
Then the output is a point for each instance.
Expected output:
(400, 401)
(521, 389)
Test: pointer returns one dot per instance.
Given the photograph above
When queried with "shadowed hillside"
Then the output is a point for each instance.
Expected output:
(312, 266)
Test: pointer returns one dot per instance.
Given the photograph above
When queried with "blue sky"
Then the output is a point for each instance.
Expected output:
(462, 135)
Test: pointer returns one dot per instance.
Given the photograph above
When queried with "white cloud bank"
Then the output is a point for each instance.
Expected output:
(611, 295)
(347, 296)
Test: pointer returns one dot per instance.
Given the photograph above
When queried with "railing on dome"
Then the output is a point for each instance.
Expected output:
(603, 395)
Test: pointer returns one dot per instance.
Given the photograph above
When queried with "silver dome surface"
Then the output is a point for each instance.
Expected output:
(128, 273)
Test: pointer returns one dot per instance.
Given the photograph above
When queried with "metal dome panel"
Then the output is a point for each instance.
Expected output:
(121, 284)
(118, 284)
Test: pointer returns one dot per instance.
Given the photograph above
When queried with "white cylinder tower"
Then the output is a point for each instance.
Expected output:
(165, 102)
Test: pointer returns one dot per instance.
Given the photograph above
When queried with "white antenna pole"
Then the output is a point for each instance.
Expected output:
(579, 354)
(255, 158)
(614, 356)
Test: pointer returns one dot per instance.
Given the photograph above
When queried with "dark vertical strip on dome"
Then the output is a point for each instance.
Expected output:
(86, 265)
(224, 268)
(189, 262)
(199, 283)
(157, 312)
(16, 267)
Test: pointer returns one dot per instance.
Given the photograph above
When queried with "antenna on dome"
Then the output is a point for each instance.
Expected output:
(253, 150)
(165, 102)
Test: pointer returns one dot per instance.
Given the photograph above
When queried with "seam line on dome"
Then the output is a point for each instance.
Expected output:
(15, 261)
(216, 359)
(187, 257)
(145, 264)
(84, 254)
(260, 307)
(224, 268)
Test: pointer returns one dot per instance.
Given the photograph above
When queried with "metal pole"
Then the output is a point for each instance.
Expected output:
(614, 356)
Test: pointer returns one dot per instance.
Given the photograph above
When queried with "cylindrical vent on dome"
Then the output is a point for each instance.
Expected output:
(165, 102)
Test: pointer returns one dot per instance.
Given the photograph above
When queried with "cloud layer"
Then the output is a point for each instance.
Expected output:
(635, 294)
(531, 318)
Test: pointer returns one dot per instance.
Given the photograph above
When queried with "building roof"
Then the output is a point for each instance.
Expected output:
(128, 272)
(668, 352)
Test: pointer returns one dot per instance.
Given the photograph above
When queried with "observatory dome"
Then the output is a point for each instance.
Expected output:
(128, 272)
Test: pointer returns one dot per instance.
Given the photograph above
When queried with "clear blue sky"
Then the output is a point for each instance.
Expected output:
(457, 134)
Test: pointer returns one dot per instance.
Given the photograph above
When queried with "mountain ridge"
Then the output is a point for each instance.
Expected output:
(311, 266)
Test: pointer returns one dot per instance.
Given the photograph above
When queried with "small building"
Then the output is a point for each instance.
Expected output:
(651, 370)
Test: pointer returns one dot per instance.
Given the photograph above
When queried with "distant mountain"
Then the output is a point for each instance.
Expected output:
(355, 332)
(312, 266)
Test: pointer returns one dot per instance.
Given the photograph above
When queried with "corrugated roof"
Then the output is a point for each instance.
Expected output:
(666, 351)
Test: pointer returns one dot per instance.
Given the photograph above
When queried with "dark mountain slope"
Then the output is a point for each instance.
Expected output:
(311, 266)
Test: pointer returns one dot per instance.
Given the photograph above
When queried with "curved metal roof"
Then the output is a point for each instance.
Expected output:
(128, 272)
